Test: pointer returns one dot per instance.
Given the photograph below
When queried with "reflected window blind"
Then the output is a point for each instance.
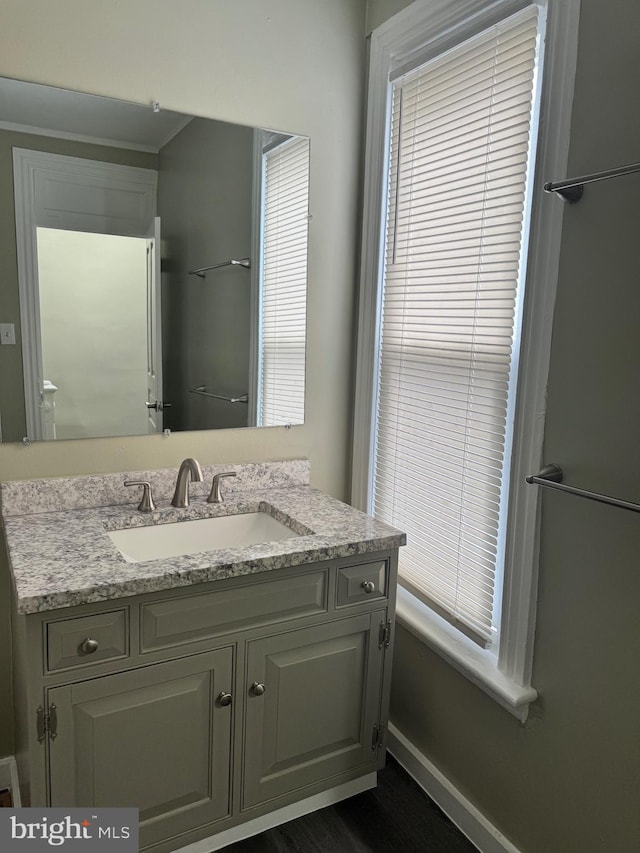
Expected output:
(284, 283)
(459, 156)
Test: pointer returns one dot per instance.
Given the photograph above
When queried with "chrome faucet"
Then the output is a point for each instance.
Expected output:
(190, 471)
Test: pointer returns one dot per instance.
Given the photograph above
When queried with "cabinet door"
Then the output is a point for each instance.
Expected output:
(155, 738)
(315, 717)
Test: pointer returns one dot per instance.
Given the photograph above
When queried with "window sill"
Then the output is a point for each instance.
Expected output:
(478, 665)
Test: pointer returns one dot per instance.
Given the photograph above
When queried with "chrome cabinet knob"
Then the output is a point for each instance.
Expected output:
(368, 586)
(225, 699)
(89, 646)
(257, 689)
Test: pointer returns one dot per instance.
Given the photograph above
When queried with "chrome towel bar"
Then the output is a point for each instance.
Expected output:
(202, 271)
(572, 189)
(202, 389)
(551, 477)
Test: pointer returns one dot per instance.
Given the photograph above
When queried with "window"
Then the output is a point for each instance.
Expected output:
(281, 374)
(444, 385)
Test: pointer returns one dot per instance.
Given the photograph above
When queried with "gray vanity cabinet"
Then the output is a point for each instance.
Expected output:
(211, 705)
(157, 737)
(313, 700)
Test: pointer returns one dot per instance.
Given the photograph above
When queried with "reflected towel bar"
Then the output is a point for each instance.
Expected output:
(551, 477)
(202, 271)
(572, 189)
(202, 389)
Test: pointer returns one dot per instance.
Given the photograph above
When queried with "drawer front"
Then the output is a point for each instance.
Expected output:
(86, 640)
(363, 582)
(195, 617)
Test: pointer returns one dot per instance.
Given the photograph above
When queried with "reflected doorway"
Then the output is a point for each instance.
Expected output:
(93, 323)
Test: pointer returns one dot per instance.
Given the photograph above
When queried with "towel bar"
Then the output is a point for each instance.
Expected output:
(551, 477)
(572, 189)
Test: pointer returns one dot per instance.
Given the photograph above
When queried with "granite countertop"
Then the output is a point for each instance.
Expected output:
(66, 558)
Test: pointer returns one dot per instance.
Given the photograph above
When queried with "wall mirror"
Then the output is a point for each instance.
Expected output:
(159, 262)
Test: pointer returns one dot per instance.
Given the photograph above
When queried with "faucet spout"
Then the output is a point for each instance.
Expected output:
(190, 471)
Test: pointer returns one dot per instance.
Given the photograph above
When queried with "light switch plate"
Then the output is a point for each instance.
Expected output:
(7, 333)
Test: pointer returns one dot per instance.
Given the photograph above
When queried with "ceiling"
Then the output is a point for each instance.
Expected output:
(33, 108)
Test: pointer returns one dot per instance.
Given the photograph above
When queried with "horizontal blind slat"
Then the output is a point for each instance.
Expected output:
(283, 303)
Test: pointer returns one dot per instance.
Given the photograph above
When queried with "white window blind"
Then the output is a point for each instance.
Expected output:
(284, 283)
(459, 159)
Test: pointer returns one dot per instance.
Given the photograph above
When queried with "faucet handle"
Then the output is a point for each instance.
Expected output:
(215, 495)
(146, 504)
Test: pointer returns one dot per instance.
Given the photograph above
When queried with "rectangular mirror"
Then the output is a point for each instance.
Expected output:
(160, 269)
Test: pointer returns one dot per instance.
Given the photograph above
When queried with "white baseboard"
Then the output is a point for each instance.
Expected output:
(455, 805)
(275, 818)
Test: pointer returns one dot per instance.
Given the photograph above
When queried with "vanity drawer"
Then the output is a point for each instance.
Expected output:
(196, 617)
(86, 640)
(362, 582)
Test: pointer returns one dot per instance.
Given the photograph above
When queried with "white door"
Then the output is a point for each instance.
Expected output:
(56, 191)
(93, 302)
(154, 401)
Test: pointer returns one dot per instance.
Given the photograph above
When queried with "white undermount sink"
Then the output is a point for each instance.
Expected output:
(157, 541)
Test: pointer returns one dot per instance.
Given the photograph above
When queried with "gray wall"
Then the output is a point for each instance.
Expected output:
(204, 200)
(567, 781)
(293, 64)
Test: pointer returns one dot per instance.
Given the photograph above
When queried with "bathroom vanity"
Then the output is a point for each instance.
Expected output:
(231, 687)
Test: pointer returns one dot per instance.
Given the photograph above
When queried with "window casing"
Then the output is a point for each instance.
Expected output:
(460, 158)
(396, 278)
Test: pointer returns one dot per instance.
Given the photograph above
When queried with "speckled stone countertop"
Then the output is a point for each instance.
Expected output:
(64, 558)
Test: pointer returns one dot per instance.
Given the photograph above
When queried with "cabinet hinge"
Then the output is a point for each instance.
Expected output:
(377, 736)
(384, 635)
(46, 723)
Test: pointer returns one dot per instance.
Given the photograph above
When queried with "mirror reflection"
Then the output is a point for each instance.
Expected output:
(159, 266)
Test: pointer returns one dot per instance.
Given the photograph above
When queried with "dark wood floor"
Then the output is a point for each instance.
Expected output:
(397, 815)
